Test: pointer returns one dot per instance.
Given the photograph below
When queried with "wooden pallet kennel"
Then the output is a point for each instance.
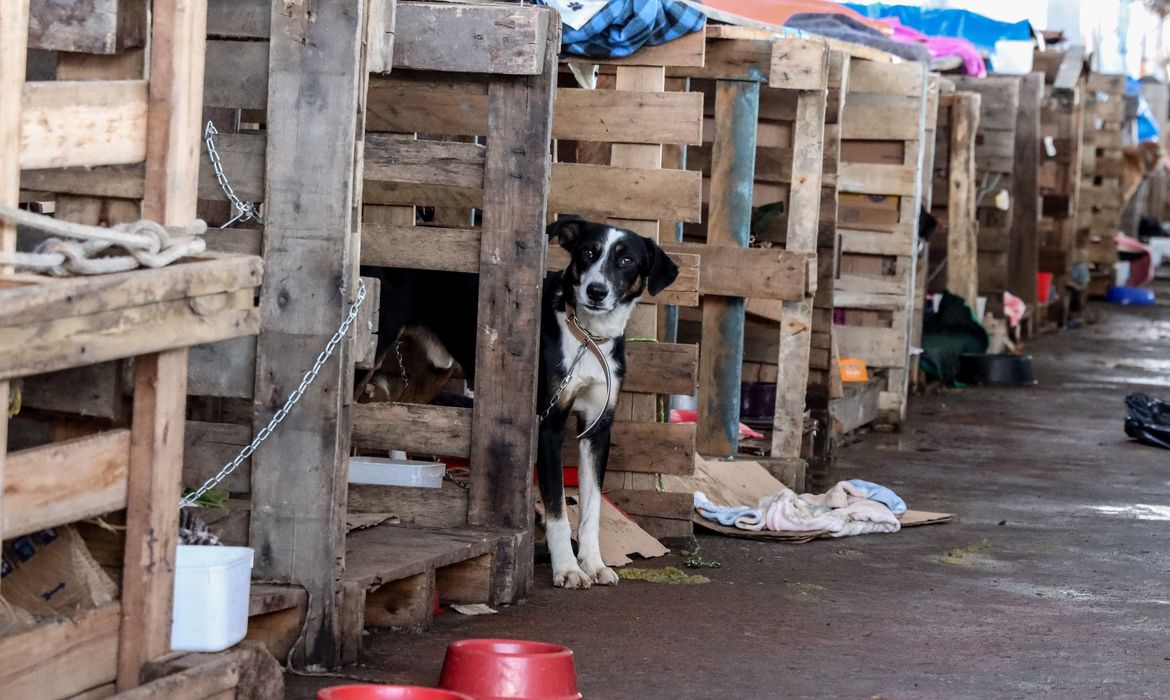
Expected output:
(1101, 200)
(953, 259)
(150, 315)
(880, 188)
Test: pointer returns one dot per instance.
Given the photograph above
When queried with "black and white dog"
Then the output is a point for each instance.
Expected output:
(585, 308)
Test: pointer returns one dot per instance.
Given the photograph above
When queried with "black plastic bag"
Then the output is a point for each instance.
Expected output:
(1147, 420)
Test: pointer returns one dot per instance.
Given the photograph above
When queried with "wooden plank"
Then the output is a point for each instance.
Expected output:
(395, 158)
(627, 116)
(868, 178)
(83, 123)
(764, 273)
(661, 368)
(309, 233)
(804, 209)
(897, 79)
(63, 482)
(437, 430)
(646, 448)
(153, 491)
(242, 156)
(626, 193)
(383, 26)
(64, 657)
(511, 275)
(214, 680)
(236, 75)
(441, 507)
(721, 354)
(799, 64)
(657, 504)
(239, 19)
(880, 347)
(96, 27)
(421, 247)
(962, 267)
(498, 39)
(1023, 258)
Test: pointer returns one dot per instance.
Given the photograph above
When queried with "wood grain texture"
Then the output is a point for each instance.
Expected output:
(666, 368)
(299, 531)
(437, 430)
(1023, 259)
(63, 482)
(82, 123)
(763, 273)
(962, 265)
(721, 353)
(511, 274)
(95, 27)
(498, 39)
(62, 658)
(153, 491)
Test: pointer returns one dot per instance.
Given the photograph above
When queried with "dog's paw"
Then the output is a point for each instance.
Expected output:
(600, 574)
(571, 578)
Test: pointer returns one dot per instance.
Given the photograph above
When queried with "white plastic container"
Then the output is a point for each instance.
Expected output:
(212, 586)
(1013, 57)
(380, 471)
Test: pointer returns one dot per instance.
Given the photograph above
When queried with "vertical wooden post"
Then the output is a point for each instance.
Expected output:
(804, 210)
(962, 224)
(733, 171)
(178, 33)
(13, 51)
(1024, 245)
(511, 276)
(316, 89)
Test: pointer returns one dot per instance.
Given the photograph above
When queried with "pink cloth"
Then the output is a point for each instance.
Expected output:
(941, 46)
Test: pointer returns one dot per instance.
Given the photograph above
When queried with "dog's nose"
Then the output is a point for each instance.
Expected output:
(596, 292)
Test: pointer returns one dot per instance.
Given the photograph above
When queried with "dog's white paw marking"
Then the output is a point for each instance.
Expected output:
(571, 578)
(599, 573)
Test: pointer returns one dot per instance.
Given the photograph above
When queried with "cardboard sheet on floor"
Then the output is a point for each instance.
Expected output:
(621, 537)
(744, 482)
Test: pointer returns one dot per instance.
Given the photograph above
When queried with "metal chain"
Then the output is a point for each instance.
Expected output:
(564, 382)
(292, 400)
(401, 363)
(245, 211)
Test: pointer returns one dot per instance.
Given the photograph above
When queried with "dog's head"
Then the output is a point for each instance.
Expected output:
(610, 266)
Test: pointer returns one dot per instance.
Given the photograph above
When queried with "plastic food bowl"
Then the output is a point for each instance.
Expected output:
(388, 692)
(494, 669)
(395, 472)
(212, 585)
(1130, 295)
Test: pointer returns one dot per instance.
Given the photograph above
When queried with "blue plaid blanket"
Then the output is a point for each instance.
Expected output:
(624, 26)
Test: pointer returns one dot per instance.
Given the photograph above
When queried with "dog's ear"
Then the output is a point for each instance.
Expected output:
(659, 270)
(567, 228)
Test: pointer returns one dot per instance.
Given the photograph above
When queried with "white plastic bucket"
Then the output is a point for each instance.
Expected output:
(212, 587)
(396, 472)
(1013, 57)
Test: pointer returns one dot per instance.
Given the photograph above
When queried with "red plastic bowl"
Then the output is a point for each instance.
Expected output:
(387, 692)
(495, 669)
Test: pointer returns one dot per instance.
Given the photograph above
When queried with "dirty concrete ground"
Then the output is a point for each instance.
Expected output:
(1053, 581)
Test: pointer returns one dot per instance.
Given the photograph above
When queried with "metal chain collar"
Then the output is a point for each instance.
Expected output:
(292, 400)
(245, 211)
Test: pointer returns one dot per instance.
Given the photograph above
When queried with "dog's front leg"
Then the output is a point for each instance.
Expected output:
(591, 476)
(558, 532)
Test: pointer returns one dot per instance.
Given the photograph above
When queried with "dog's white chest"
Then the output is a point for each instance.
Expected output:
(587, 386)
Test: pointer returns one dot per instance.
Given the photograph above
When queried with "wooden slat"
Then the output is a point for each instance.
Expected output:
(83, 123)
(421, 247)
(765, 273)
(313, 153)
(96, 27)
(391, 158)
(880, 347)
(63, 482)
(868, 178)
(663, 368)
(239, 19)
(628, 193)
(236, 75)
(962, 273)
(61, 658)
(625, 116)
(647, 448)
(901, 79)
(1024, 244)
(437, 430)
(500, 39)
(214, 680)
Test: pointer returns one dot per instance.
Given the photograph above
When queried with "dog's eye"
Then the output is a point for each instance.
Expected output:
(626, 261)
(588, 253)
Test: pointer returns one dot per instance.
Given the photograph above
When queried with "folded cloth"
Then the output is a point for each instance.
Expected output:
(849, 29)
(881, 494)
(842, 511)
(622, 27)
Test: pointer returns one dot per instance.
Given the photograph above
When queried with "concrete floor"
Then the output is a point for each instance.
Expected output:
(1053, 580)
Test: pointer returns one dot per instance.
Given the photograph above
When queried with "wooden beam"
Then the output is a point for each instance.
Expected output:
(626, 192)
(64, 482)
(313, 145)
(83, 123)
(628, 116)
(153, 492)
(737, 105)
(438, 430)
(96, 27)
(511, 276)
(764, 273)
(498, 39)
(61, 658)
(962, 265)
(661, 368)
(1024, 257)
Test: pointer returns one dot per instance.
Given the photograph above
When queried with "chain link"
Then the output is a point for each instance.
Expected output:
(245, 211)
(292, 400)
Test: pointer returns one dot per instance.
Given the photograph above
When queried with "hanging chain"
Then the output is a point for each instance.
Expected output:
(245, 211)
(564, 382)
(292, 400)
(401, 363)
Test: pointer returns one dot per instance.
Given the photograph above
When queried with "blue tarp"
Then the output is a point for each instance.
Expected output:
(1147, 126)
(975, 28)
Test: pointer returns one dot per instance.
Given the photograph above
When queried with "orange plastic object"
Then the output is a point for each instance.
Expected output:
(491, 669)
(387, 692)
(853, 370)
